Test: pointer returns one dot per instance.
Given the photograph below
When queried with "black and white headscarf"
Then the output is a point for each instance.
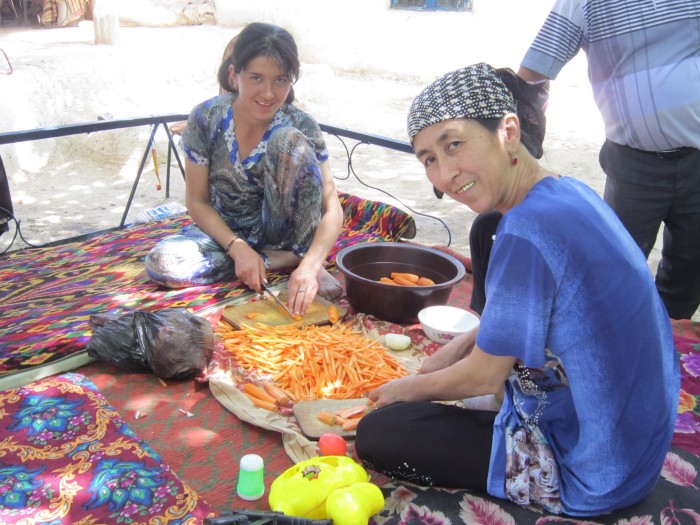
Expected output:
(470, 92)
(481, 92)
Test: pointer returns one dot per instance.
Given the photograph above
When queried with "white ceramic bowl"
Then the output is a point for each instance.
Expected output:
(444, 323)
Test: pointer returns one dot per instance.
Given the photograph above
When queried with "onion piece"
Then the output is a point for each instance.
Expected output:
(397, 342)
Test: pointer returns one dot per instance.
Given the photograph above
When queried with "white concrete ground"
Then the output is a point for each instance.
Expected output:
(75, 184)
(67, 186)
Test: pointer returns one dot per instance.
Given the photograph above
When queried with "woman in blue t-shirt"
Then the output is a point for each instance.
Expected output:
(258, 183)
(573, 339)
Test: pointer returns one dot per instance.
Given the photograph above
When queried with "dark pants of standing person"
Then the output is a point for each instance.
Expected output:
(5, 200)
(481, 237)
(428, 444)
(647, 189)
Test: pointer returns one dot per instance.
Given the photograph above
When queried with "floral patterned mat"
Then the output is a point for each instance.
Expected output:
(68, 457)
(675, 500)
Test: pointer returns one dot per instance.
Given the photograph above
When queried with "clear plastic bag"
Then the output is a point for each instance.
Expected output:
(172, 343)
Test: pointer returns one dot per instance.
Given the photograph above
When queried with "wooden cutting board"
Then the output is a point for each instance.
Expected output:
(268, 312)
(312, 427)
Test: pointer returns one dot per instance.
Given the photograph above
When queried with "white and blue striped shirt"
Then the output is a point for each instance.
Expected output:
(643, 64)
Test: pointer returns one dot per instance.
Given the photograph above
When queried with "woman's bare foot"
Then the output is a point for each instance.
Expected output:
(328, 286)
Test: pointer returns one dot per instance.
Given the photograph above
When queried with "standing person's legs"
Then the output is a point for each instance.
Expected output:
(646, 190)
(678, 275)
(481, 237)
(639, 188)
(6, 210)
(428, 444)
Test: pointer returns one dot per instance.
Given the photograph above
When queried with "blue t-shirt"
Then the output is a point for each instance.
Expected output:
(590, 408)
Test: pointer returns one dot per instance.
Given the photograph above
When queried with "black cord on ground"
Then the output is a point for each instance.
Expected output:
(351, 169)
(8, 62)
(18, 231)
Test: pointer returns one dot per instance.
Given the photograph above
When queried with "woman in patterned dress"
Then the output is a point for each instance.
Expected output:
(258, 182)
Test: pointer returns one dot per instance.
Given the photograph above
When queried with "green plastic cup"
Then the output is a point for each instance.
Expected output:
(251, 478)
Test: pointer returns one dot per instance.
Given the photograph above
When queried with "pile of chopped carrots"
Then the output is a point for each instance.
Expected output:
(312, 362)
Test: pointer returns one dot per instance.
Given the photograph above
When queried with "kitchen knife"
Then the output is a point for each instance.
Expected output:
(279, 302)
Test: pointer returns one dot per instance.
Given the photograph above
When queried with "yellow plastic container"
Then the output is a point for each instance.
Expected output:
(327, 487)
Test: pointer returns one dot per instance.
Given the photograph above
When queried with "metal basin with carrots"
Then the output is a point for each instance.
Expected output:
(363, 265)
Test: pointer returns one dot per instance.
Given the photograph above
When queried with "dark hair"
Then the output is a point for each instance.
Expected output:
(228, 51)
(259, 39)
(531, 102)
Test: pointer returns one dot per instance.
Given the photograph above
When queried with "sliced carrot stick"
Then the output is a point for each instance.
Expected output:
(256, 391)
(327, 418)
(351, 412)
(351, 424)
(312, 362)
(386, 280)
(424, 281)
(333, 314)
(281, 397)
(251, 315)
(406, 276)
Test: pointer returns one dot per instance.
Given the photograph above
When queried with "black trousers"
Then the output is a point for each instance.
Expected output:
(433, 443)
(428, 444)
(480, 243)
(5, 200)
(647, 190)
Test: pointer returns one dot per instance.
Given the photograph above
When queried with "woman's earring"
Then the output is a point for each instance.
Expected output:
(513, 159)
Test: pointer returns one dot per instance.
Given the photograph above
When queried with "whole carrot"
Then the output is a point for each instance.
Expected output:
(256, 391)
(260, 403)
(405, 276)
(278, 394)
(403, 282)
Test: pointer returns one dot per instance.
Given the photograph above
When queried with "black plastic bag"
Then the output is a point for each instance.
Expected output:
(114, 340)
(172, 343)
